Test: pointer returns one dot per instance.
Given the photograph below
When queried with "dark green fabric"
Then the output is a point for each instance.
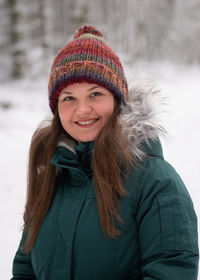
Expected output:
(158, 236)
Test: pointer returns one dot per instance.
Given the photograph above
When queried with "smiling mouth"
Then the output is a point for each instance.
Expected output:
(87, 122)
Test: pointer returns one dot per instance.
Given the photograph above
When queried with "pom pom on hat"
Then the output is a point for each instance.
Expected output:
(87, 58)
(87, 29)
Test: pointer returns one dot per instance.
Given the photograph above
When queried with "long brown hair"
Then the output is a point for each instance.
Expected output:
(107, 163)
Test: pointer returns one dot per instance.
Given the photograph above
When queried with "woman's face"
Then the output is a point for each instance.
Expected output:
(84, 109)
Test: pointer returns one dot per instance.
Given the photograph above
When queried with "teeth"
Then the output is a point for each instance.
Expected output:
(86, 122)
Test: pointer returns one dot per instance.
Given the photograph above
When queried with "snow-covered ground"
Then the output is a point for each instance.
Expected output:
(24, 104)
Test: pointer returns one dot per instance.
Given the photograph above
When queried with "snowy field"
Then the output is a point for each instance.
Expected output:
(24, 104)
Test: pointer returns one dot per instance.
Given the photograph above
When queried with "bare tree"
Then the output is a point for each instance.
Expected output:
(15, 47)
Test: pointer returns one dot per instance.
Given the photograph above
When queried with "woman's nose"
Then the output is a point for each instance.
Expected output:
(83, 108)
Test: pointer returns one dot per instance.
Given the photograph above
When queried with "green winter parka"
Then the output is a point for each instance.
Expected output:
(158, 239)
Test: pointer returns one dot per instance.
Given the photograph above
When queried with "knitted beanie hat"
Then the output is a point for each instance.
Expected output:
(87, 58)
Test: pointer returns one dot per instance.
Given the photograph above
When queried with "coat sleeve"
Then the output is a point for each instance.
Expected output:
(22, 265)
(167, 225)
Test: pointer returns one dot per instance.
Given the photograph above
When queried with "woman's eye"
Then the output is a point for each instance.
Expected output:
(68, 98)
(96, 93)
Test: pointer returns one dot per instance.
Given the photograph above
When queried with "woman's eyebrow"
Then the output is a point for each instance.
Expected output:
(94, 88)
(66, 92)
(69, 92)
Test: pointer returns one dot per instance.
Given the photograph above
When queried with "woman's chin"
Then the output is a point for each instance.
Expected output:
(86, 139)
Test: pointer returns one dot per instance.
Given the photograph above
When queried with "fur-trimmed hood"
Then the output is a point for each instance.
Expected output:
(139, 120)
(140, 117)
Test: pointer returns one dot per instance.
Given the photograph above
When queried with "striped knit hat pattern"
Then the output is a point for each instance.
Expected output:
(87, 58)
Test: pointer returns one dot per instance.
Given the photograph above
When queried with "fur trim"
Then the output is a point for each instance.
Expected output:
(139, 117)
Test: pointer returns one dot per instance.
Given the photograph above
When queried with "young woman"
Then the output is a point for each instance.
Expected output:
(102, 202)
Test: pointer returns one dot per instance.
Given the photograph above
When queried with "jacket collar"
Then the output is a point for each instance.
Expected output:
(74, 157)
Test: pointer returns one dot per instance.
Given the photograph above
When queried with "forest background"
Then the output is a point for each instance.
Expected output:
(31, 32)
